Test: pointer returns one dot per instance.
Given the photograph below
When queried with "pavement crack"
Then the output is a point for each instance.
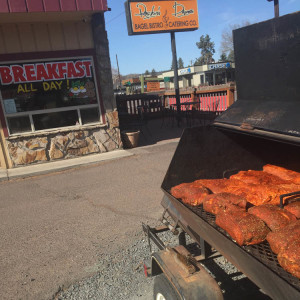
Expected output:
(119, 212)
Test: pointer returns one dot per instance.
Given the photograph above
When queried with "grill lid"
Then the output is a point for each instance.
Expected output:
(267, 78)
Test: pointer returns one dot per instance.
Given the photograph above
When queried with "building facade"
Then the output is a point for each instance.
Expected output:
(196, 76)
(56, 89)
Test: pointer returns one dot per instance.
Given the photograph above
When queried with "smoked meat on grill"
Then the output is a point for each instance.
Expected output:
(279, 239)
(289, 258)
(258, 177)
(220, 185)
(222, 202)
(294, 208)
(283, 173)
(190, 193)
(244, 228)
(275, 217)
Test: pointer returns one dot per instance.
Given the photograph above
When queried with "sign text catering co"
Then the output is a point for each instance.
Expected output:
(144, 17)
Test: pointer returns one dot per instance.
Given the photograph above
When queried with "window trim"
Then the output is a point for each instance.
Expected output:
(61, 55)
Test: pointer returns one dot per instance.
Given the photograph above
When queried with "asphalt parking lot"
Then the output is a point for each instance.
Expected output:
(56, 229)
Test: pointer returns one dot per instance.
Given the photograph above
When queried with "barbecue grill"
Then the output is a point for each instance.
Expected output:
(262, 127)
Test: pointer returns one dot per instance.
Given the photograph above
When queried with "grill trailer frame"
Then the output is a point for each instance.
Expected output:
(209, 153)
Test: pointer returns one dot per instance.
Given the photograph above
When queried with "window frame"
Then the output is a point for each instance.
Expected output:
(55, 58)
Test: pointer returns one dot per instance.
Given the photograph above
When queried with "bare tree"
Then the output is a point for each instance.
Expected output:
(227, 39)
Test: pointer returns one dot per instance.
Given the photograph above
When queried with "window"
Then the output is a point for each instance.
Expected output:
(202, 79)
(49, 94)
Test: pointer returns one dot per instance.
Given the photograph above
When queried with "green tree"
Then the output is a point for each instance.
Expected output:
(223, 57)
(207, 48)
(153, 72)
(180, 63)
(147, 72)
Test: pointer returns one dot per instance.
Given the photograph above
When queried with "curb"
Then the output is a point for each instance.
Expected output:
(52, 167)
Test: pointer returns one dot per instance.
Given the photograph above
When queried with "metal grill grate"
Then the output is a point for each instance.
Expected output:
(261, 252)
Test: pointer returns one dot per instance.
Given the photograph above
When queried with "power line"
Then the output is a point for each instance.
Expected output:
(119, 15)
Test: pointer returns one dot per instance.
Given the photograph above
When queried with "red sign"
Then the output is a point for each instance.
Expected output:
(37, 72)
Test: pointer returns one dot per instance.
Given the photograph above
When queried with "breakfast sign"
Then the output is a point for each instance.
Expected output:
(145, 17)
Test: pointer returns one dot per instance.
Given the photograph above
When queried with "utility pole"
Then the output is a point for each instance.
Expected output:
(276, 7)
(119, 72)
(176, 84)
(142, 79)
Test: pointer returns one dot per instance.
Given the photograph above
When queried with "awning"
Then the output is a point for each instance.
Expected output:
(25, 6)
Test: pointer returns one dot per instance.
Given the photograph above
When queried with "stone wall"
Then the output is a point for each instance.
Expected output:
(65, 144)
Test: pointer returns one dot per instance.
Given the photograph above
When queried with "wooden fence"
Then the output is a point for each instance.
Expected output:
(216, 100)
(209, 100)
(129, 104)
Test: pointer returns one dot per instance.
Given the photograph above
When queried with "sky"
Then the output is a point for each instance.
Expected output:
(139, 53)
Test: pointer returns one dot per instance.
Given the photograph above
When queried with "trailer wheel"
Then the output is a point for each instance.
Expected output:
(163, 290)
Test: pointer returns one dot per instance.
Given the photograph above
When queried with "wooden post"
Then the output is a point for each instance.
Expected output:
(230, 97)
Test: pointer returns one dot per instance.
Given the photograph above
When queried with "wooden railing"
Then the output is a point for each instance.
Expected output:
(213, 99)
(129, 104)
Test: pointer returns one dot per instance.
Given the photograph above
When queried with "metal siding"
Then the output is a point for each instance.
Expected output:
(26, 37)
(2, 43)
(51, 5)
(68, 5)
(70, 36)
(11, 37)
(7, 6)
(42, 38)
(84, 5)
(17, 5)
(35, 5)
(56, 35)
(3, 6)
(85, 35)
(99, 4)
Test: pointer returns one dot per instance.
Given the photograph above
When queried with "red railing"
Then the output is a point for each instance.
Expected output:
(214, 101)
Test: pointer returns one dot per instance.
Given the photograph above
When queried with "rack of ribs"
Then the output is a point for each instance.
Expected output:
(244, 228)
(275, 217)
(279, 239)
(294, 208)
(288, 258)
(190, 193)
(283, 173)
(223, 202)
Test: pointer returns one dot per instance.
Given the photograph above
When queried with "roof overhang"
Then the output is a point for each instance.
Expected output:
(17, 11)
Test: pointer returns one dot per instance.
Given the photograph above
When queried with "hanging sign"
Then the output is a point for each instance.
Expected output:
(161, 16)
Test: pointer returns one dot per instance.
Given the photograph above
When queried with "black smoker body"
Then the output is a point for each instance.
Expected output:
(262, 127)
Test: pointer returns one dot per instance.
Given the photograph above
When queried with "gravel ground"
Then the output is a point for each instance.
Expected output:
(121, 276)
